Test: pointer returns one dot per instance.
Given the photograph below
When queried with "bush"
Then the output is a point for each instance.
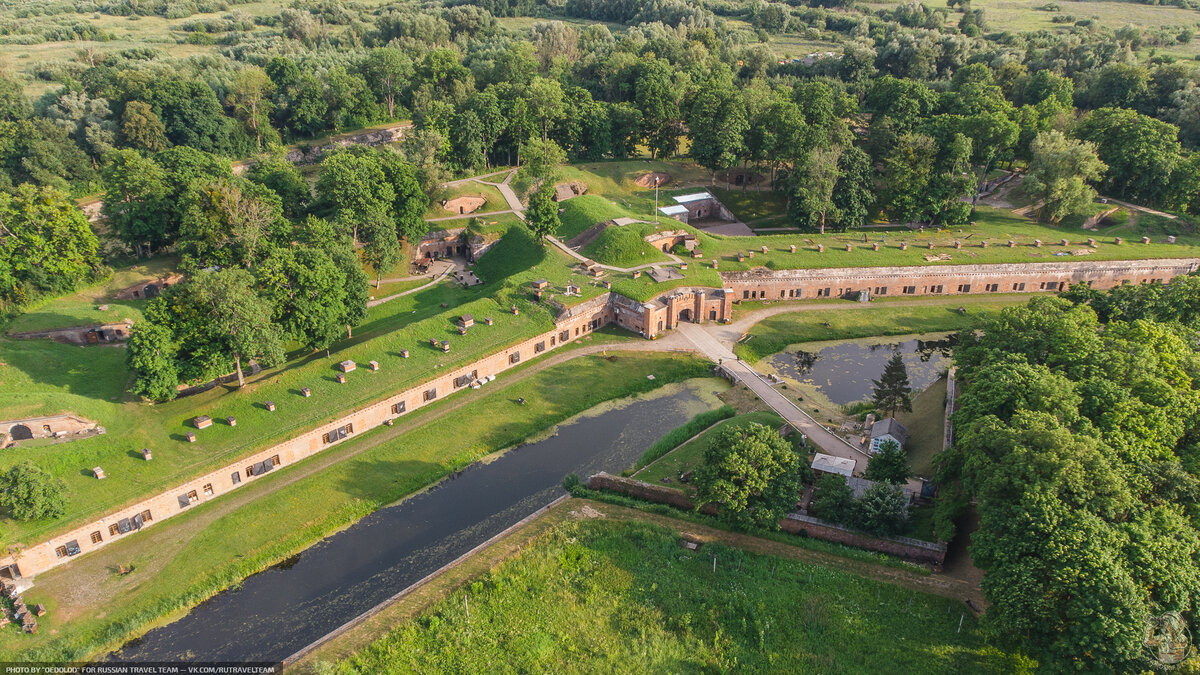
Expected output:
(677, 436)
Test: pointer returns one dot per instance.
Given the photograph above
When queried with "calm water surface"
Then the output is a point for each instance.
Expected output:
(843, 371)
(279, 611)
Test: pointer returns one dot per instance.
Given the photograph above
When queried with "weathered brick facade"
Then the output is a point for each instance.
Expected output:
(574, 323)
(765, 284)
(647, 319)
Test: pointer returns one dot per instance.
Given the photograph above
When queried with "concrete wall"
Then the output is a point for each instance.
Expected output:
(768, 284)
(576, 322)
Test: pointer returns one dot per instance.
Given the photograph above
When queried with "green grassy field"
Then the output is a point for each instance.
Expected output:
(580, 213)
(926, 426)
(598, 596)
(40, 377)
(623, 247)
(751, 205)
(777, 333)
(690, 455)
(213, 545)
(83, 307)
(494, 200)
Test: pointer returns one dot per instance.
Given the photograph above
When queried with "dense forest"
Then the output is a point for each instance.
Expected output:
(1077, 440)
(902, 122)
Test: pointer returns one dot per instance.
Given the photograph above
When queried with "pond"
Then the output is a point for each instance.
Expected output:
(277, 612)
(842, 372)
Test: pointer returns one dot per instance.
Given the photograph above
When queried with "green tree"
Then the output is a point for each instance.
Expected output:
(718, 125)
(812, 197)
(135, 197)
(655, 96)
(250, 98)
(542, 215)
(752, 473)
(1061, 171)
(229, 222)
(381, 247)
(31, 493)
(410, 200)
(882, 510)
(238, 320)
(141, 128)
(284, 179)
(313, 300)
(542, 159)
(1139, 151)
(890, 464)
(352, 186)
(46, 243)
(151, 354)
(386, 71)
(892, 390)
(832, 499)
(854, 192)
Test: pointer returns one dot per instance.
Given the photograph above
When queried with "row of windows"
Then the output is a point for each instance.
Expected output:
(118, 528)
(912, 290)
(338, 434)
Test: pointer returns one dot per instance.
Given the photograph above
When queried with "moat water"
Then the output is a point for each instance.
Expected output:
(843, 371)
(277, 612)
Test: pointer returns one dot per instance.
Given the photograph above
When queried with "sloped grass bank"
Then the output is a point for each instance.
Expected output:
(187, 559)
(599, 596)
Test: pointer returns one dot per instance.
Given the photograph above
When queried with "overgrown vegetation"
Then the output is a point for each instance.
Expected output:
(625, 596)
(677, 436)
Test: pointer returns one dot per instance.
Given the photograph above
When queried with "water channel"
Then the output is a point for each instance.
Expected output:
(843, 371)
(277, 612)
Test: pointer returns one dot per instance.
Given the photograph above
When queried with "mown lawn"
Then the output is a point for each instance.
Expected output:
(580, 213)
(182, 561)
(40, 377)
(926, 426)
(776, 333)
(751, 204)
(494, 200)
(996, 227)
(690, 455)
(604, 596)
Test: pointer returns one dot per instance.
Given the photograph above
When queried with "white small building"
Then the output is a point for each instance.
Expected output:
(697, 206)
(841, 466)
(887, 429)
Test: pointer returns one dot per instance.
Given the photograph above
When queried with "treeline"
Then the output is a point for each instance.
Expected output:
(267, 261)
(1077, 440)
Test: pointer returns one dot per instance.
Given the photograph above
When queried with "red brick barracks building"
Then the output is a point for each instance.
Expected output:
(645, 318)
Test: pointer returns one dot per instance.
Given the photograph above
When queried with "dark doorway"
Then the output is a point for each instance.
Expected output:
(685, 315)
(20, 432)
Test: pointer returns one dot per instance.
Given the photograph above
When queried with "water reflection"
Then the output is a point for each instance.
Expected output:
(843, 372)
(276, 612)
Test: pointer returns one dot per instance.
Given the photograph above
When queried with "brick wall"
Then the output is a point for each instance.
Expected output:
(795, 523)
(574, 323)
(768, 284)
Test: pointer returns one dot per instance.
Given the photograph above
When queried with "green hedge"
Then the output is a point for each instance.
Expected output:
(677, 436)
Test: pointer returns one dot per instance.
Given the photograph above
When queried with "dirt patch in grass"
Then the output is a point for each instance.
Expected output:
(653, 178)
(465, 204)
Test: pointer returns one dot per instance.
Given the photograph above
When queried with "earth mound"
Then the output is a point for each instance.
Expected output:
(650, 179)
(465, 204)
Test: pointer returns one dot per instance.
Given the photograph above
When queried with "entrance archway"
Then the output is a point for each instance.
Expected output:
(685, 315)
(20, 432)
